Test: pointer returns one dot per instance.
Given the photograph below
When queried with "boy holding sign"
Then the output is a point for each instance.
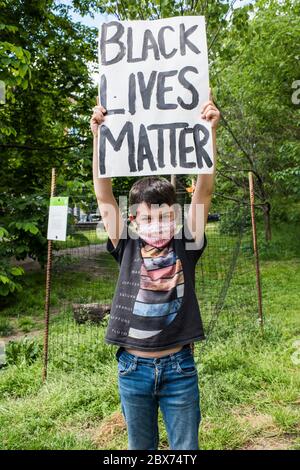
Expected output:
(155, 316)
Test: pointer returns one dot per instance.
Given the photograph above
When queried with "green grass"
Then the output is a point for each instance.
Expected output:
(249, 383)
(68, 284)
(6, 327)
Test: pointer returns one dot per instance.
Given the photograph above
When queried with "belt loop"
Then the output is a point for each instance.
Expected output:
(135, 362)
(173, 360)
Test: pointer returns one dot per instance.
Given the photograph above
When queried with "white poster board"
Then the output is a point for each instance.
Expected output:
(153, 80)
(57, 220)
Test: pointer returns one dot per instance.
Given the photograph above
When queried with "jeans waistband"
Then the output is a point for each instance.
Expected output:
(184, 352)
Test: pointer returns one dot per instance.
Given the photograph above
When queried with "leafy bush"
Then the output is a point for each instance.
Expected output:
(5, 327)
(26, 324)
(24, 220)
(25, 351)
(8, 283)
(235, 219)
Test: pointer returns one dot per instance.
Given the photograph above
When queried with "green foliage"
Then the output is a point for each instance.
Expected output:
(253, 87)
(5, 327)
(23, 352)
(24, 222)
(14, 66)
(26, 324)
(44, 59)
(9, 278)
(235, 220)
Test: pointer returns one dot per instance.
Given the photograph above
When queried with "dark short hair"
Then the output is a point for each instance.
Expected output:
(152, 190)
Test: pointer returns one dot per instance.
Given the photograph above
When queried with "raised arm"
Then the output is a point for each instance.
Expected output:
(204, 187)
(108, 207)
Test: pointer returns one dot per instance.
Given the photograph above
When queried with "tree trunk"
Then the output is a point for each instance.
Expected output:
(267, 221)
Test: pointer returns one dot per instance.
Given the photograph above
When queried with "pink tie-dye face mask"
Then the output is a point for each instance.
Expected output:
(157, 234)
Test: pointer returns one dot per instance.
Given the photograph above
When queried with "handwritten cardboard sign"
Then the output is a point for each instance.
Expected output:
(153, 81)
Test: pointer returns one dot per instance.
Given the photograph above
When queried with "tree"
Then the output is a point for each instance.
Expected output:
(45, 63)
(254, 89)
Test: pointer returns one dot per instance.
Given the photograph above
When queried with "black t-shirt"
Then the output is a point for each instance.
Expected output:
(150, 333)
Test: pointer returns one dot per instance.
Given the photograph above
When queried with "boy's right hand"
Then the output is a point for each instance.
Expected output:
(97, 118)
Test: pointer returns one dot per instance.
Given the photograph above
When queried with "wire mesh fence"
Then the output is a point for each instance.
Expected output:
(84, 277)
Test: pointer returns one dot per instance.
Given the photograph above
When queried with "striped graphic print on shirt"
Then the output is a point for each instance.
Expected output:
(161, 291)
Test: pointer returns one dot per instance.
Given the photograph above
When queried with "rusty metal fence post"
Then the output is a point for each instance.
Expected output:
(48, 287)
(255, 248)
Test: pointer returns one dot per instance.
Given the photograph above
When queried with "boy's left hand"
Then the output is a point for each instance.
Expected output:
(210, 112)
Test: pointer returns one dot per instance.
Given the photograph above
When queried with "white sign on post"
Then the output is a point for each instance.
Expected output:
(153, 81)
(57, 220)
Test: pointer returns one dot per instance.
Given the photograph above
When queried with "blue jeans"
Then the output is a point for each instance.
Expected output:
(171, 383)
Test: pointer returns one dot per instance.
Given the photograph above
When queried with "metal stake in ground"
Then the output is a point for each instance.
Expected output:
(48, 287)
(255, 248)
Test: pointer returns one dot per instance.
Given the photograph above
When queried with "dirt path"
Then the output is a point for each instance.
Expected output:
(30, 264)
(18, 336)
